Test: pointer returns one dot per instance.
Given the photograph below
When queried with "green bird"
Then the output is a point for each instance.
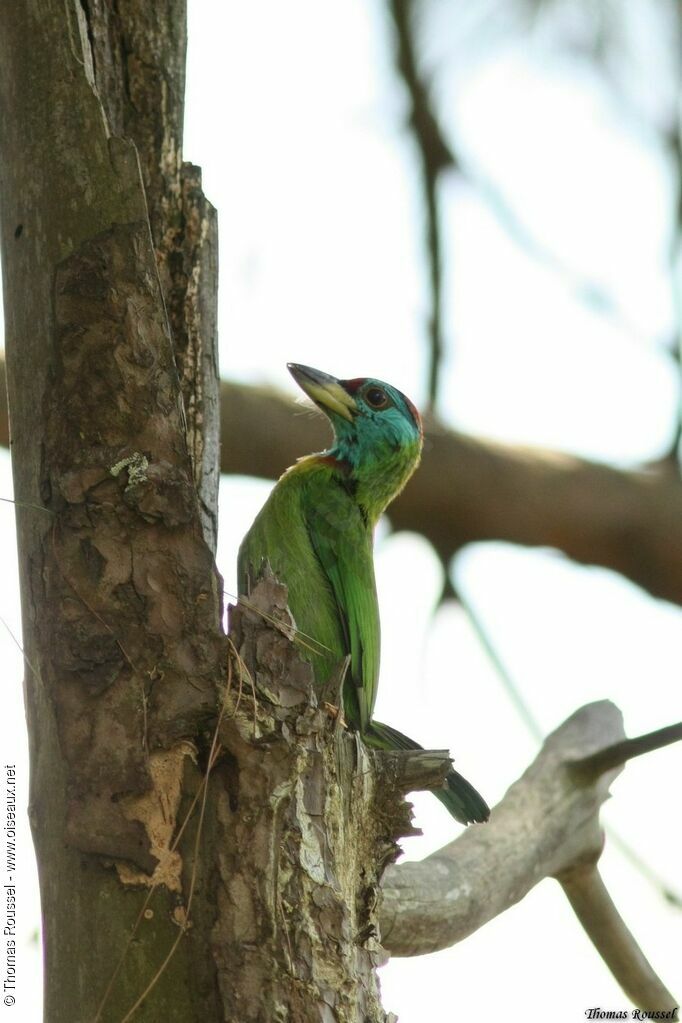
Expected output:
(316, 533)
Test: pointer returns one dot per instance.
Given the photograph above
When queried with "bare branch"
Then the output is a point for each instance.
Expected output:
(614, 756)
(593, 906)
(438, 152)
(544, 824)
(547, 825)
(435, 156)
(501, 670)
(630, 746)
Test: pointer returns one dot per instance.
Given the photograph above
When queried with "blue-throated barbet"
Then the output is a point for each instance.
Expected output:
(316, 533)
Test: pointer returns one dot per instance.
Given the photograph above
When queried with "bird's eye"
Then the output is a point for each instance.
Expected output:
(376, 397)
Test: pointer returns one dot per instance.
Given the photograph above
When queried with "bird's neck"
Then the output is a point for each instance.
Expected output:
(376, 478)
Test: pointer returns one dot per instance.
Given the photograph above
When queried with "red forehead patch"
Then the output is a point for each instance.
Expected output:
(353, 385)
(415, 413)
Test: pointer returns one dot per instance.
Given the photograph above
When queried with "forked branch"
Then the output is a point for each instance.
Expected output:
(547, 825)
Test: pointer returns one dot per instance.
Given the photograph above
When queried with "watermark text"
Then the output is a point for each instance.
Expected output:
(9, 926)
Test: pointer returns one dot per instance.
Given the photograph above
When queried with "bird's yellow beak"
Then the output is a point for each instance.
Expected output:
(326, 391)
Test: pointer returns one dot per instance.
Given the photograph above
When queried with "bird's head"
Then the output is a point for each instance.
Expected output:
(377, 430)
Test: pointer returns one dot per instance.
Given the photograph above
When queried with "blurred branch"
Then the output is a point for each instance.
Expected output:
(587, 292)
(503, 674)
(674, 142)
(606, 29)
(469, 489)
(435, 157)
(592, 767)
(671, 896)
(437, 153)
(547, 825)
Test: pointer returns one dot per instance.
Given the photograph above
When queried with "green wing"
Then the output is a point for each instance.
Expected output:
(342, 542)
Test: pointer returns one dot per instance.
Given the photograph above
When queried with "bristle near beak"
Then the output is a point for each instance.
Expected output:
(325, 390)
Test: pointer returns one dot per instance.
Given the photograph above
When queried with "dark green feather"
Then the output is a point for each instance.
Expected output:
(458, 796)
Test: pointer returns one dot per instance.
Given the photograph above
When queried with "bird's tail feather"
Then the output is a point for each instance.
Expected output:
(458, 797)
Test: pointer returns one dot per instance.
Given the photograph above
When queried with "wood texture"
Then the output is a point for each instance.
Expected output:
(120, 603)
(137, 54)
(546, 825)
(210, 840)
(469, 489)
(207, 849)
(318, 818)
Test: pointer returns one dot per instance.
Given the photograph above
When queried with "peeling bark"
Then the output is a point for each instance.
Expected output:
(136, 53)
(211, 842)
(186, 873)
(313, 824)
(121, 603)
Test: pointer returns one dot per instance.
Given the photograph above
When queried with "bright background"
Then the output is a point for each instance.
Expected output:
(560, 322)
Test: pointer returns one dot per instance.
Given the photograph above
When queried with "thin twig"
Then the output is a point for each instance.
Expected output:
(435, 156)
(512, 690)
(27, 504)
(23, 654)
(85, 603)
(185, 926)
(672, 897)
(438, 153)
(98, 617)
(302, 638)
(212, 758)
(590, 768)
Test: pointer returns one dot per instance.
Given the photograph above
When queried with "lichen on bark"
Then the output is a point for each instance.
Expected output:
(311, 820)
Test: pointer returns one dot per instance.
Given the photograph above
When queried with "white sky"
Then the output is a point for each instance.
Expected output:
(294, 115)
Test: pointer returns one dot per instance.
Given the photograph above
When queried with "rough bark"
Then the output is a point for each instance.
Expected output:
(469, 489)
(205, 851)
(121, 605)
(303, 862)
(210, 840)
(137, 55)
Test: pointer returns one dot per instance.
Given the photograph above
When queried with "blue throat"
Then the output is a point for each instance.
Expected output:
(379, 473)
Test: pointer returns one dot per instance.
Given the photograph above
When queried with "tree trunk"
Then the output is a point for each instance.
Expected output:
(121, 604)
(209, 846)
(210, 840)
